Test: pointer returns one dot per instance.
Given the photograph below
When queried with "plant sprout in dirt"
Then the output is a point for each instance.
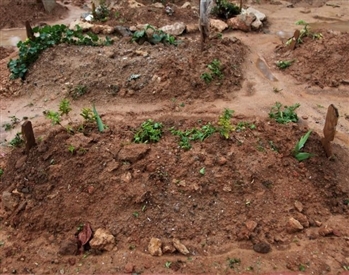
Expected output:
(300, 156)
(285, 115)
(149, 131)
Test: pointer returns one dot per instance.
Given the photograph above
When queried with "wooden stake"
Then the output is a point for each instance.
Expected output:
(28, 135)
(330, 129)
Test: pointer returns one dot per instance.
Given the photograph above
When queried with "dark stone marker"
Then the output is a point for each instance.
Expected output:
(28, 135)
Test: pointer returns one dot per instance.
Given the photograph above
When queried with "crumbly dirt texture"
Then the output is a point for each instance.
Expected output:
(231, 202)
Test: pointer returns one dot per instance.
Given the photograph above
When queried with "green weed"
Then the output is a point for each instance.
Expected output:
(1, 172)
(71, 149)
(87, 114)
(100, 125)
(300, 156)
(17, 141)
(283, 64)
(54, 117)
(224, 123)
(232, 262)
(284, 116)
(215, 71)
(64, 107)
(11, 125)
(224, 9)
(78, 91)
(149, 131)
(157, 36)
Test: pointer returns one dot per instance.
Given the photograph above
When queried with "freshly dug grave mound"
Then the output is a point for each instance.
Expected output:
(239, 194)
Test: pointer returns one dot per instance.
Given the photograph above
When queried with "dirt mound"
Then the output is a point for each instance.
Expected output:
(145, 73)
(220, 197)
(322, 62)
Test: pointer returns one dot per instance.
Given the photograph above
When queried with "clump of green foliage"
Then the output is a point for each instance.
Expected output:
(285, 115)
(232, 262)
(56, 117)
(215, 71)
(300, 156)
(283, 64)
(243, 125)
(87, 115)
(225, 10)
(149, 131)
(17, 141)
(156, 36)
(193, 134)
(224, 123)
(78, 91)
(46, 37)
(306, 32)
(10, 125)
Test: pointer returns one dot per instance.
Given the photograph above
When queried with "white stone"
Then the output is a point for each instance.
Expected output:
(218, 25)
(175, 29)
(256, 24)
(260, 16)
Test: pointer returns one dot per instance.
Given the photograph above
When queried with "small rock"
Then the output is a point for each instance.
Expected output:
(129, 268)
(154, 247)
(102, 240)
(218, 25)
(20, 162)
(318, 223)
(85, 26)
(191, 28)
(68, 247)
(256, 25)
(168, 248)
(9, 201)
(133, 152)
(158, 5)
(312, 233)
(251, 225)
(259, 15)
(180, 247)
(175, 29)
(123, 31)
(305, 117)
(126, 177)
(221, 161)
(337, 233)
(302, 219)
(325, 231)
(299, 206)
(262, 247)
(293, 226)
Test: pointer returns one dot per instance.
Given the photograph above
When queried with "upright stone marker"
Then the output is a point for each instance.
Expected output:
(28, 135)
(49, 5)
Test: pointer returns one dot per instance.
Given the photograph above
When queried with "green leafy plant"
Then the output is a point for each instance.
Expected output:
(283, 64)
(224, 123)
(243, 125)
(149, 131)
(71, 149)
(46, 37)
(225, 10)
(168, 264)
(284, 116)
(1, 172)
(12, 124)
(54, 117)
(306, 32)
(215, 71)
(154, 37)
(300, 156)
(78, 91)
(88, 115)
(17, 141)
(64, 107)
(202, 171)
(232, 262)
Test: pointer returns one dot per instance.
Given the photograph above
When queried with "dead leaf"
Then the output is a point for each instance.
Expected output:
(85, 235)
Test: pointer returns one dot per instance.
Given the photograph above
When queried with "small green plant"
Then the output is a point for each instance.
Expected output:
(100, 125)
(87, 114)
(300, 156)
(283, 64)
(168, 264)
(12, 124)
(243, 125)
(202, 171)
(305, 32)
(302, 267)
(64, 107)
(1, 172)
(71, 149)
(135, 214)
(17, 141)
(224, 9)
(232, 262)
(78, 91)
(224, 123)
(284, 116)
(215, 71)
(149, 131)
(154, 37)
(54, 117)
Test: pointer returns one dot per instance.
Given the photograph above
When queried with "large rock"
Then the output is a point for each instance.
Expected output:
(180, 247)
(102, 240)
(242, 22)
(218, 25)
(175, 29)
(154, 247)
(259, 15)
(262, 247)
(133, 152)
(256, 25)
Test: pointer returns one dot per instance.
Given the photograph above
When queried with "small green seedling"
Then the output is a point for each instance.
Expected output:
(1, 172)
(150, 131)
(216, 71)
(54, 117)
(17, 140)
(71, 149)
(284, 116)
(283, 64)
(232, 262)
(135, 214)
(224, 123)
(87, 114)
(64, 107)
(300, 156)
(202, 171)
(78, 91)
(101, 126)
(168, 264)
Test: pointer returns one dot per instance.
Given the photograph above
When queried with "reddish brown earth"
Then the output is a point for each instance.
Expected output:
(242, 201)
